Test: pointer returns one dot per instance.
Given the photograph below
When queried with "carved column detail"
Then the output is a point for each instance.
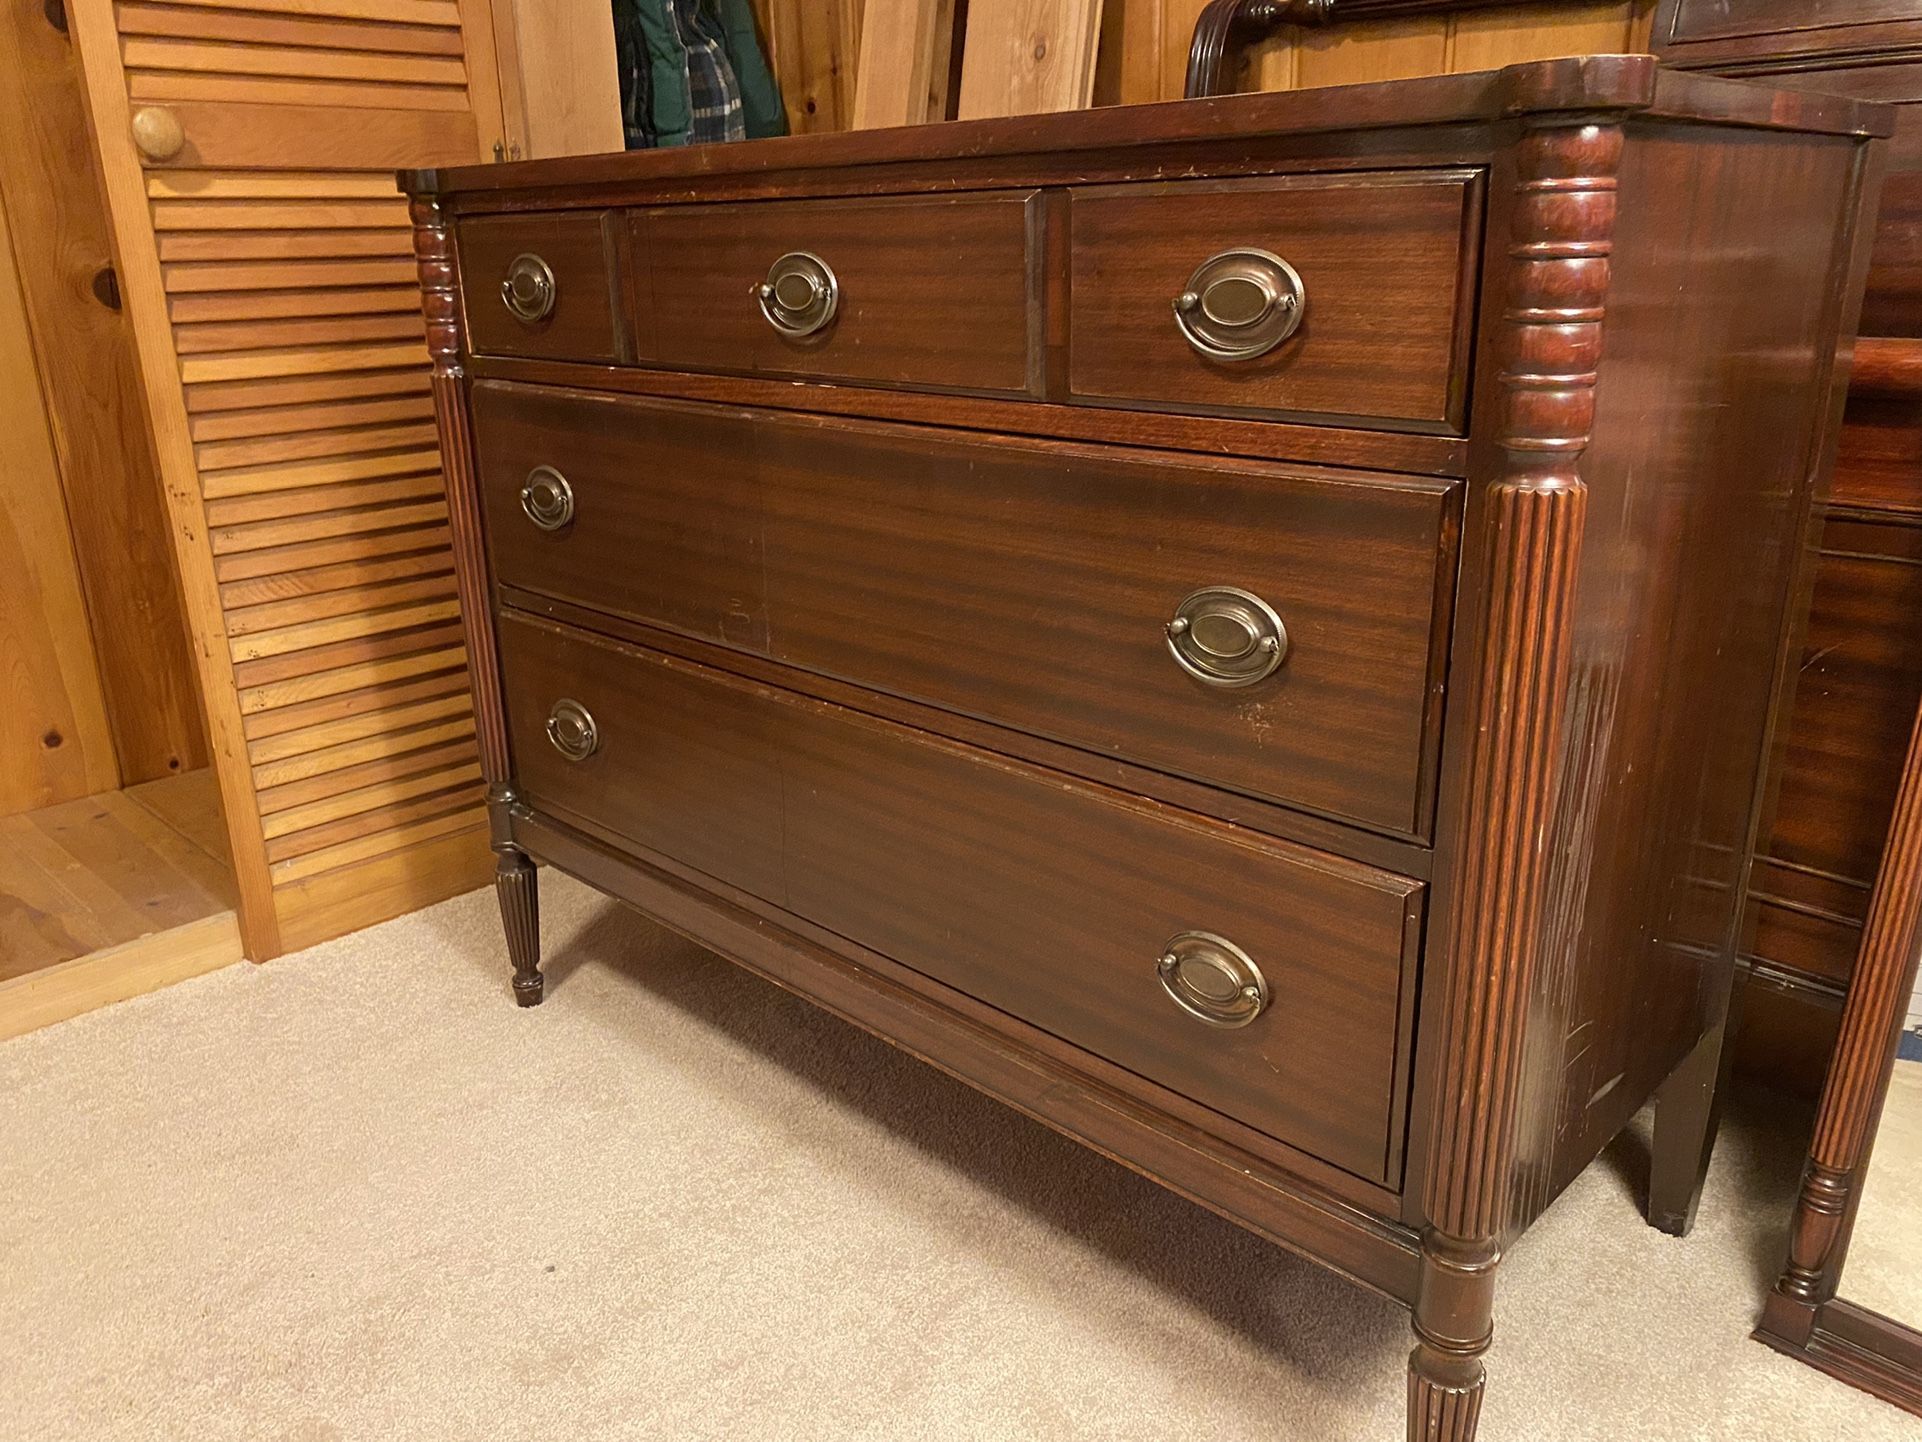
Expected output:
(440, 304)
(515, 880)
(1533, 510)
(1883, 980)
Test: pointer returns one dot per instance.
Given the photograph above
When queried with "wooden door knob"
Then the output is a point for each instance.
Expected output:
(157, 132)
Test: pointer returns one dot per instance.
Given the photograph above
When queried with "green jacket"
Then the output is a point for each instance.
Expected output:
(695, 73)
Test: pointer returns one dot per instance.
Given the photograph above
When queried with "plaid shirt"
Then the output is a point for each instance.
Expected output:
(713, 93)
(692, 72)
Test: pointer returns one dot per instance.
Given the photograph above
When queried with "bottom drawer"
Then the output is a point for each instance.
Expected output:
(1052, 900)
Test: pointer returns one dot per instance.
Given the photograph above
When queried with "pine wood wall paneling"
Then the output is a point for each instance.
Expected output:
(54, 740)
(1028, 57)
(559, 78)
(813, 48)
(1129, 57)
(92, 395)
(902, 75)
(271, 280)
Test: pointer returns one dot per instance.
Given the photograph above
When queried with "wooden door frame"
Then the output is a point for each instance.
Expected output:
(124, 180)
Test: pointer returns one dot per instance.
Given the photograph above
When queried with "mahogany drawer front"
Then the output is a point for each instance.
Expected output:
(539, 285)
(1384, 315)
(1025, 583)
(929, 291)
(1050, 900)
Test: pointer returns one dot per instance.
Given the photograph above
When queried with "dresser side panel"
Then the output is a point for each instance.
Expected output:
(1731, 273)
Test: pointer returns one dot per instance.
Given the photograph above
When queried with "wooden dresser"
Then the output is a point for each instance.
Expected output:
(1244, 628)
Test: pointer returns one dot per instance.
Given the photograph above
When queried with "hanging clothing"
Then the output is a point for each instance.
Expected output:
(695, 73)
(637, 91)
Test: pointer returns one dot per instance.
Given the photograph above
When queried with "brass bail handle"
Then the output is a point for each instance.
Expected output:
(529, 291)
(548, 499)
(571, 730)
(800, 295)
(1240, 304)
(1227, 637)
(1212, 979)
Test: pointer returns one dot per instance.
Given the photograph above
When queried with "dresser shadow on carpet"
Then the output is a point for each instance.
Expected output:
(1300, 1314)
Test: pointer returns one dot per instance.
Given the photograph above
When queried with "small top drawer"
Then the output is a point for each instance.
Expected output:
(1343, 296)
(924, 291)
(539, 285)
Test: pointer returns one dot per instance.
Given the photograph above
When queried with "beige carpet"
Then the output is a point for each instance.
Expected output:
(357, 1194)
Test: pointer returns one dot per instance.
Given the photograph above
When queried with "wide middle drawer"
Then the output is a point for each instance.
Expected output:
(1025, 583)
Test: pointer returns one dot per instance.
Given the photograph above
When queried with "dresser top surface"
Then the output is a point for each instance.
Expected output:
(1598, 84)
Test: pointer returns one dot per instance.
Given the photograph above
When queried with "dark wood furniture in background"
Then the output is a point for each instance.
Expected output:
(1312, 762)
(1841, 750)
(1803, 1316)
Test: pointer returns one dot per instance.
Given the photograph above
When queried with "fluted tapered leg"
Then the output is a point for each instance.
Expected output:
(516, 883)
(1453, 1327)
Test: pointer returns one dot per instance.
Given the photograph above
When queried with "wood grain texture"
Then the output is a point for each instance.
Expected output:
(89, 875)
(271, 284)
(576, 251)
(440, 302)
(819, 810)
(1304, 442)
(1554, 289)
(839, 548)
(1744, 528)
(117, 973)
(1366, 247)
(1883, 981)
(559, 77)
(813, 49)
(1348, 47)
(86, 364)
(902, 77)
(1837, 771)
(1617, 608)
(56, 743)
(1028, 57)
(1018, 1064)
(934, 291)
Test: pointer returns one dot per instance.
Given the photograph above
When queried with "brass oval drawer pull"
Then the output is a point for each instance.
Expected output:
(1227, 637)
(800, 295)
(572, 730)
(529, 290)
(1240, 304)
(547, 498)
(1212, 979)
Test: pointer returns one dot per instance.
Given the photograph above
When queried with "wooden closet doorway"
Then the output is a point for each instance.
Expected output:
(113, 871)
(247, 150)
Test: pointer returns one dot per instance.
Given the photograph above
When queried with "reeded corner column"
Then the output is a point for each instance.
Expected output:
(1533, 514)
(515, 879)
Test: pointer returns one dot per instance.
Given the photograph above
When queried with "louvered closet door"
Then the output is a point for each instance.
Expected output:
(249, 148)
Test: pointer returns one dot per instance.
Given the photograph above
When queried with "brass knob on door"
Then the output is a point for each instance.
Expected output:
(1212, 979)
(157, 133)
(1240, 305)
(1227, 636)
